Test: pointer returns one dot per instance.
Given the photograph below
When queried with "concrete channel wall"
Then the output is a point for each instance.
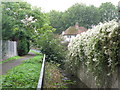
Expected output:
(113, 81)
(0, 50)
(9, 49)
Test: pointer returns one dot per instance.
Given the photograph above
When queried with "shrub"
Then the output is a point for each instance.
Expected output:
(23, 47)
(52, 47)
(98, 49)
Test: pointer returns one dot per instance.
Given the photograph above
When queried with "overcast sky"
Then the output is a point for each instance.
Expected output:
(62, 5)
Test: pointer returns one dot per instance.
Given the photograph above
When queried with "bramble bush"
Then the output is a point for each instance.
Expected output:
(98, 49)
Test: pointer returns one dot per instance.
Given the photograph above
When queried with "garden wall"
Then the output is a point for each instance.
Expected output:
(9, 49)
(113, 81)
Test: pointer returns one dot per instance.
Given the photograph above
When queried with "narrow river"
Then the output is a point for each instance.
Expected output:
(77, 83)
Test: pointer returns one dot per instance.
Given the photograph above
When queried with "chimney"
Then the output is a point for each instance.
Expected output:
(77, 25)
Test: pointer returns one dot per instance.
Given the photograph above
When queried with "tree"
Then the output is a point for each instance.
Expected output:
(22, 23)
(86, 16)
(91, 16)
(19, 17)
(108, 12)
(56, 20)
(14, 13)
(52, 48)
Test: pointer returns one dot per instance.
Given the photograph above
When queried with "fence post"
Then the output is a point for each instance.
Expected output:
(41, 78)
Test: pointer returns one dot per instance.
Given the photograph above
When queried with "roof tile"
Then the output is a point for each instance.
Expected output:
(73, 30)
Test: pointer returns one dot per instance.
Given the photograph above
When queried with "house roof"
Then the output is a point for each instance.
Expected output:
(74, 30)
(71, 30)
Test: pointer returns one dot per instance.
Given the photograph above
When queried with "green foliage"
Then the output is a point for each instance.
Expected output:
(23, 47)
(56, 20)
(51, 46)
(25, 75)
(11, 58)
(19, 17)
(98, 49)
(86, 16)
(108, 12)
(11, 18)
(22, 23)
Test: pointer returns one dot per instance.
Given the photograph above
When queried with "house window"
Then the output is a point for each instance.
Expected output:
(69, 36)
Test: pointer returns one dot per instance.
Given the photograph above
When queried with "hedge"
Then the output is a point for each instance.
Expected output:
(23, 47)
(98, 49)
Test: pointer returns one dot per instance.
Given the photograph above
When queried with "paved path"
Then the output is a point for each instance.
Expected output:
(10, 64)
(36, 50)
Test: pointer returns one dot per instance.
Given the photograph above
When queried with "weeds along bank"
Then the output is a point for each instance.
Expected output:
(98, 52)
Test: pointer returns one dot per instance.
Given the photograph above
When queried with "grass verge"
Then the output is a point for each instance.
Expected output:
(25, 75)
(11, 58)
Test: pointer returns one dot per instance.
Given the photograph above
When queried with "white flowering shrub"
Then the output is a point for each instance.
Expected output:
(98, 49)
(28, 20)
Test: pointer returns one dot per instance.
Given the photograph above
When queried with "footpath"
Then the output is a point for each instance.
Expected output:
(10, 64)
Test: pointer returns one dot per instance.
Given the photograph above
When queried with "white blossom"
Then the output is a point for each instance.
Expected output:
(93, 44)
(28, 20)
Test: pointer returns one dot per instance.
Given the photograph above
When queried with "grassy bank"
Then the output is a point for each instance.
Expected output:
(11, 58)
(25, 75)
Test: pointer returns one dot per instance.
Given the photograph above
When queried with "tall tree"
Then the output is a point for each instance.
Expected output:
(56, 20)
(20, 18)
(23, 23)
(108, 12)
(86, 16)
